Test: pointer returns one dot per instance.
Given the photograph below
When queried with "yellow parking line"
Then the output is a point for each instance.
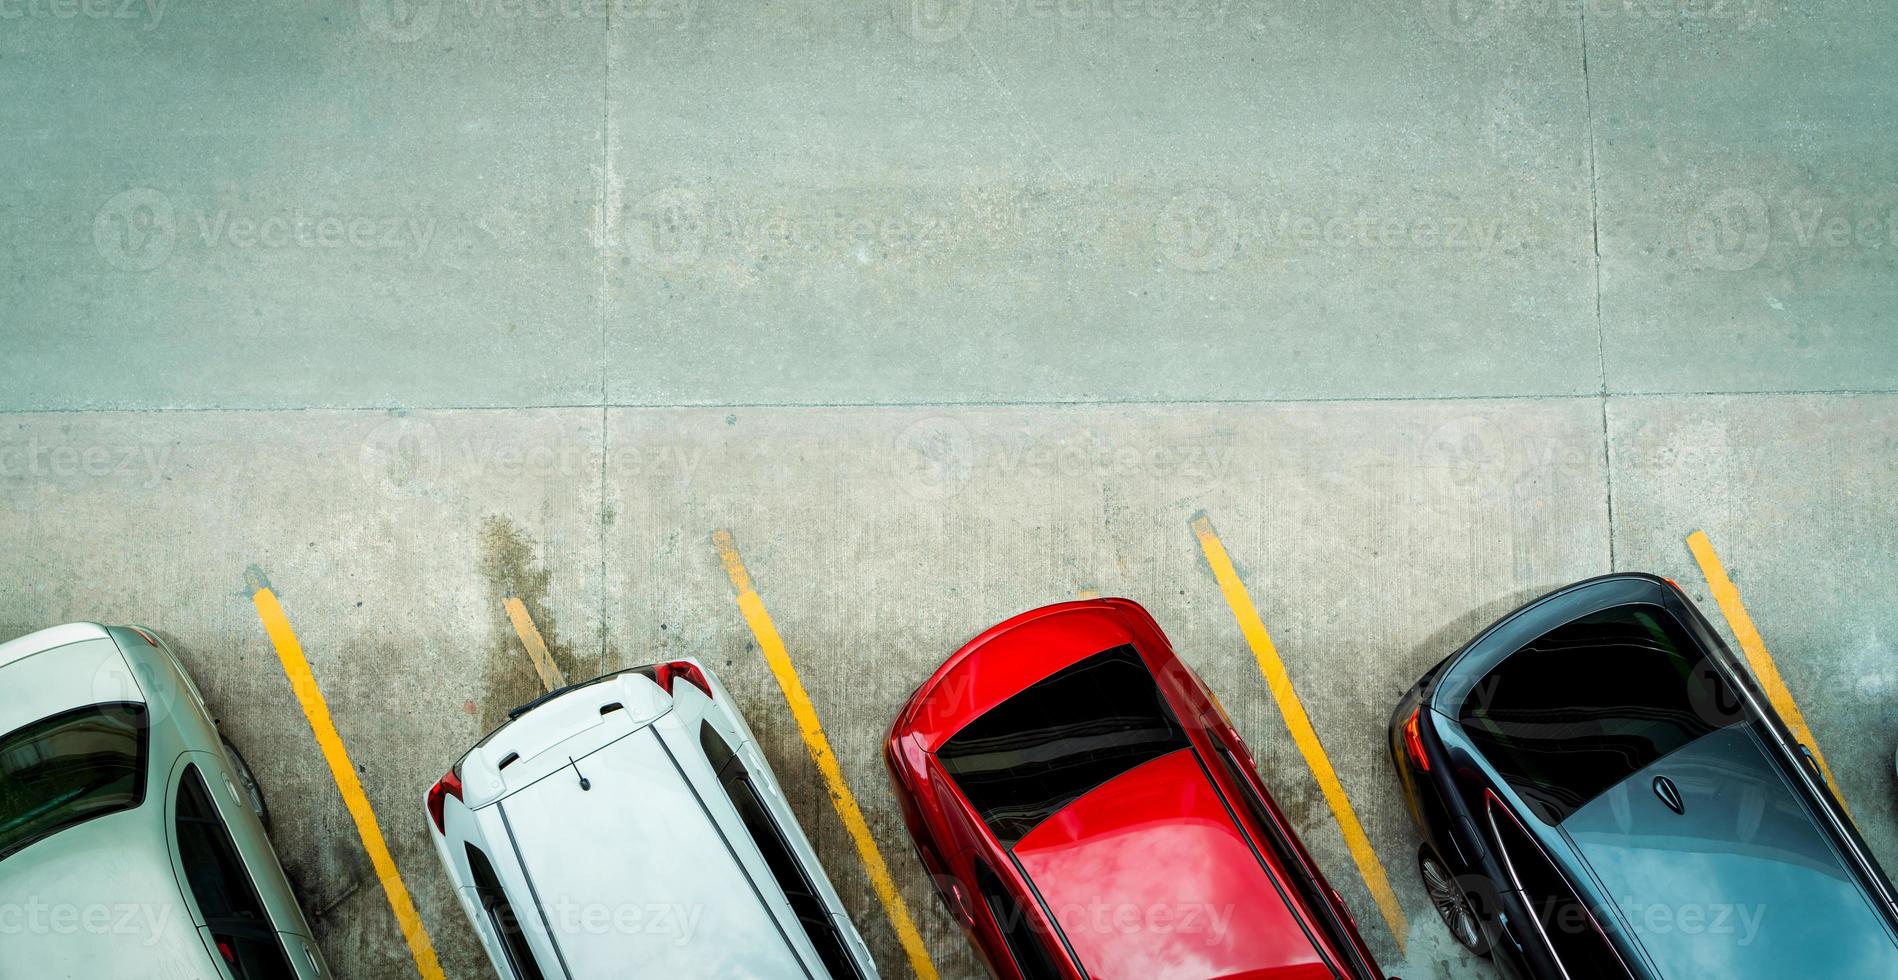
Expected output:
(819, 745)
(1299, 724)
(297, 669)
(550, 676)
(1764, 670)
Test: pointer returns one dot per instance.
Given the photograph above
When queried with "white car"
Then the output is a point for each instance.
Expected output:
(132, 840)
(629, 825)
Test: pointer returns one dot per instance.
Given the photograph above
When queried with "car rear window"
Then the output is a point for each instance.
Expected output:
(70, 768)
(1065, 734)
(1592, 702)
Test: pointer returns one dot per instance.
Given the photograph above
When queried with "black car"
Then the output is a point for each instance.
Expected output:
(1604, 792)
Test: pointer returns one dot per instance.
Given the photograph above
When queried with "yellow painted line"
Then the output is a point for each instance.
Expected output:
(297, 669)
(1088, 594)
(819, 745)
(550, 676)
(1299, 724)
(1764, 670)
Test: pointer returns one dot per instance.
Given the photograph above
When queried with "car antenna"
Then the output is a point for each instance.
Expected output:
(585, 784)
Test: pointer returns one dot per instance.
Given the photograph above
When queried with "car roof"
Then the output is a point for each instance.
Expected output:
(59, 669)
(1768, 892)
(631, 868)
(1150, 874)
(112, 875)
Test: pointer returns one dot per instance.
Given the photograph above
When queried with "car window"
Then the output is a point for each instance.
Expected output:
(785, 869)
(1562, 920)
(1592, 702)
(501, 917)
(1067, 733)
(1026, 948)
(245, 937)
(70, 768)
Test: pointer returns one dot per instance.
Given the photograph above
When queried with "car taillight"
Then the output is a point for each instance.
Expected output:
(450, 785)
(666, 673)
(1413, 740)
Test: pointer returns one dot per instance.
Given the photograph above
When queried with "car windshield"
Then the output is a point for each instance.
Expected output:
(1593, 701)
(70, 768)
(1065, 734)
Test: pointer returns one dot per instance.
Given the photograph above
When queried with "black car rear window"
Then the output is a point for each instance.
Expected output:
(70, 768)
(1065, 734)
(1592, 702)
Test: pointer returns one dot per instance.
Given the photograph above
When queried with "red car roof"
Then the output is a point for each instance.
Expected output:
(1149, 879)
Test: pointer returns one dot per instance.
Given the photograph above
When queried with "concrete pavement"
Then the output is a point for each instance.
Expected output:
(943, 310)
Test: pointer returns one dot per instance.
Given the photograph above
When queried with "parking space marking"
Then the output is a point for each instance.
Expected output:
(1370, 868)
(1727, 595)
(818, 743)
(550, 676)
(297, 668)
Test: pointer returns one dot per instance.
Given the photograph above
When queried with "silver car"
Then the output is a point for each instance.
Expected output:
(131, 835)
(629, 826)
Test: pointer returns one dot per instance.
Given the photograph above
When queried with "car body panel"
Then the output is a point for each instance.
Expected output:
(117, 859)
(119, 899)
(1150, 879)
(958, 849)
(1742, 846)
(650, 867)
(608, 914)
(1450, 801)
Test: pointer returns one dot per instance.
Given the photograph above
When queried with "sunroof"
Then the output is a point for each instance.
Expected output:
(1067, 733)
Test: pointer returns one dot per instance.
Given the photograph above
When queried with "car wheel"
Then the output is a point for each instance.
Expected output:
(1452, 904)
(247, 782)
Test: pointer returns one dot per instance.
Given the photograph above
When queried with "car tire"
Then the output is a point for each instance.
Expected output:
(1452, 903)
(247, 782)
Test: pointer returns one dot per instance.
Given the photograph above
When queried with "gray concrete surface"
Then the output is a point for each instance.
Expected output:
(944, 310)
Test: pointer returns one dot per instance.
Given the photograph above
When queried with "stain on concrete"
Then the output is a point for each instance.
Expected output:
(511, 564)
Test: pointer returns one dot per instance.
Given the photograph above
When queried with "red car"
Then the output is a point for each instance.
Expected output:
(1086, 810)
